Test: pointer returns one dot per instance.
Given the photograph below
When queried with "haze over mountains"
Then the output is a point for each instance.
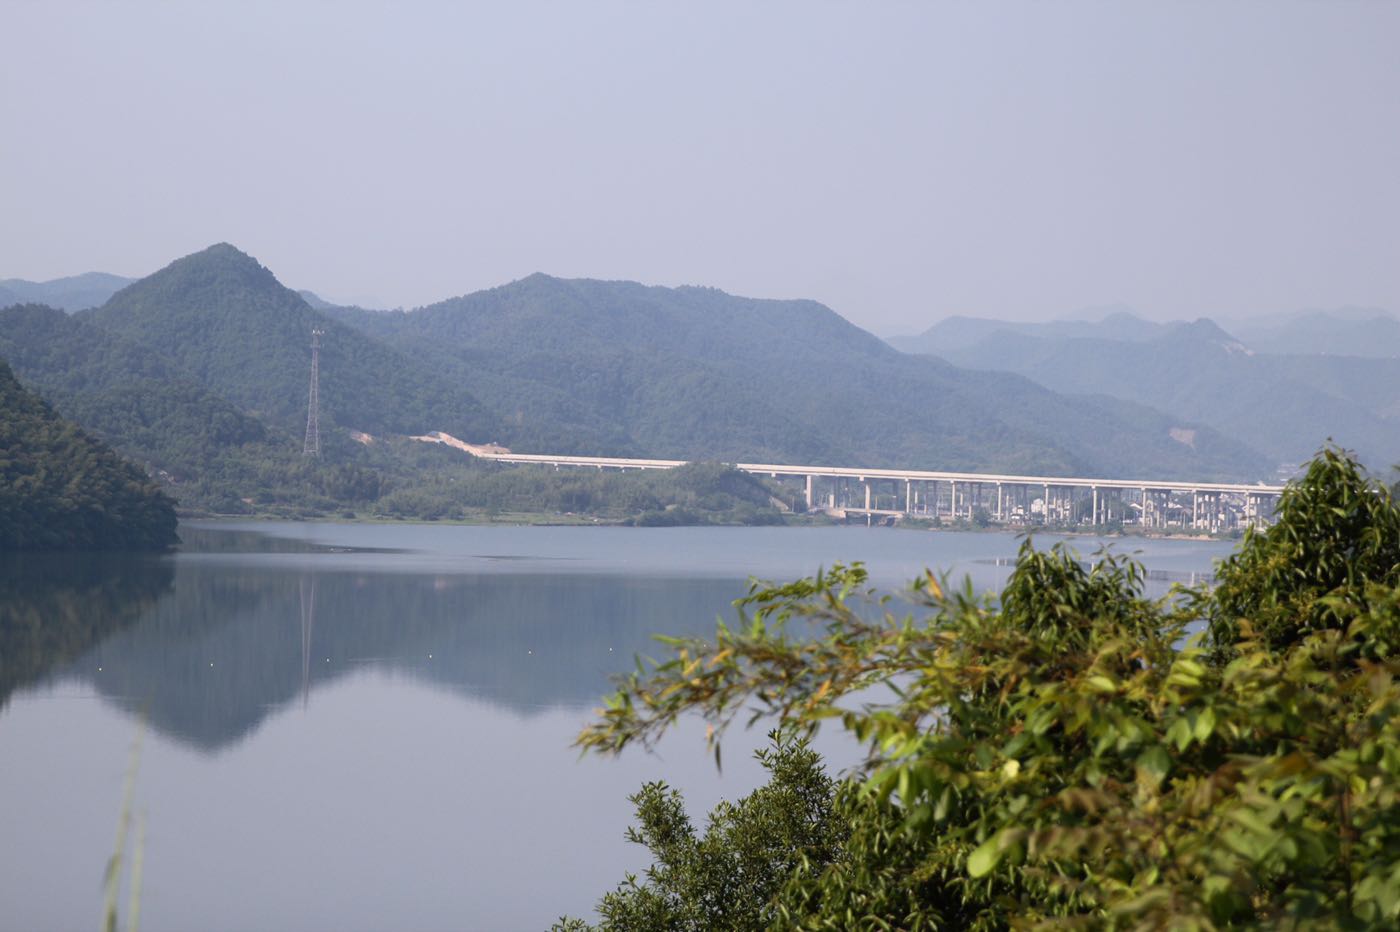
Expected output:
(73, 293)
(200, 372)
(1281, 395)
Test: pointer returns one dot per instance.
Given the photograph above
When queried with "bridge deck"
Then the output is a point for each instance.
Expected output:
(913, 475)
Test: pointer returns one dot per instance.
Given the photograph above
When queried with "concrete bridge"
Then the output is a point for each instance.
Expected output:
(990, 498)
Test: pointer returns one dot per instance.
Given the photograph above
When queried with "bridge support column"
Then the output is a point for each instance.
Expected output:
(811, 502)
(866, 483)
(908, 496)
(1095, 519)
(999, 503)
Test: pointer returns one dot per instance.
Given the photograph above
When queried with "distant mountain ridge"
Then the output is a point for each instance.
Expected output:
(73, 293)
(1284, 405)
(960, 332)
(1366, 332)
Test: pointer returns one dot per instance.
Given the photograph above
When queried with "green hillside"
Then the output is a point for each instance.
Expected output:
(212, 457)
(227, 322)
(206, 452)
(694, 373)
(1286, 406)
(62, 490)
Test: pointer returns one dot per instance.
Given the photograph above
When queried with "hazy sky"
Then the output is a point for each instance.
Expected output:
(899, 162)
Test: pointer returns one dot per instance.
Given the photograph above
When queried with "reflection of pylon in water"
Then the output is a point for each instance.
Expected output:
(308, 620)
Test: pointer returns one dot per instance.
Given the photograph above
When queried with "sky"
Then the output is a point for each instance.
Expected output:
(899, 162)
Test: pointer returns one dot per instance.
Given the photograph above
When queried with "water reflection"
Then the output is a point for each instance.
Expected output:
(53, 607)
(225, 648)
(296, 750)
(208, 646)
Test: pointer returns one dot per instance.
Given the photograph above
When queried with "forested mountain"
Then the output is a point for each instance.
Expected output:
(200, 373)
(212, 456)
(1285, 406)
(228, 323)
(70, 294)
(956, 333)
(207, 451)
(62, 490)
(617, 367)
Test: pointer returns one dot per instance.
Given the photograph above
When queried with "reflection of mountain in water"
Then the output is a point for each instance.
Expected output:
(53, 607)
(231, 644)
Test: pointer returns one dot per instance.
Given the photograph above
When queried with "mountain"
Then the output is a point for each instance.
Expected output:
(62, 490)
(1367, 332)
(1285, 406)
(227, 322)
(621, 368)
(141, 403)
(956, 333)
(71, 294)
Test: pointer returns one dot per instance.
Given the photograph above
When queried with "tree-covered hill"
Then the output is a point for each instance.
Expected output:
(1285, 406)
(694, 373)
(62, 490)
(227, 322)
(207, 452)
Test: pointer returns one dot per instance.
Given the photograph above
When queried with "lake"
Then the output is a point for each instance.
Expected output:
(355, 726)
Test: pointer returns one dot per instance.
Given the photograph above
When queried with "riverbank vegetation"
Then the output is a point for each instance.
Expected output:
(1066, 753)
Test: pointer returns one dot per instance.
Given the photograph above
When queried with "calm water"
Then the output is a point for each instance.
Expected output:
(367, 727)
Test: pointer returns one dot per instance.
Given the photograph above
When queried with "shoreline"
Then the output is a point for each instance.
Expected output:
(540, 519)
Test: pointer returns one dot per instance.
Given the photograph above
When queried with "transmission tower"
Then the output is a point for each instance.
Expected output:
(312, 447)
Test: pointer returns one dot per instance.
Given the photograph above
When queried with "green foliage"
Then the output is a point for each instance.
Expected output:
(729, 877)
(1338, 532)
(62, 490)
(696, 493)
(1064, 755)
